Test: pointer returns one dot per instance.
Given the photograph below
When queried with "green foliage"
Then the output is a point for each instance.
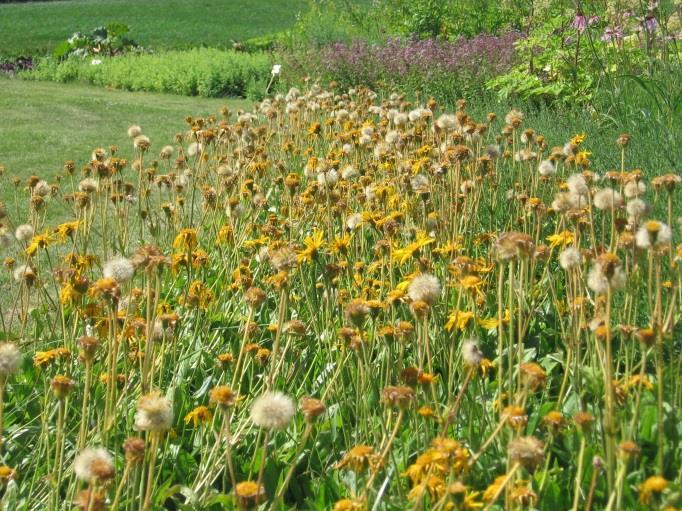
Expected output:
(551, 69)
(110, 40)
(200, 72)
(449, 19)
(330, 21)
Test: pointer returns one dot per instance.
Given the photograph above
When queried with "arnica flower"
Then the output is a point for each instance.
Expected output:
(533, 375)
(223, 396)
(311, 408)
(199, 415)
(10, 360)
(249, 494)
(583, 421)
(7, 473)
(186, 239)
(313, 244)
(527, 451)
(62, 386)
(652, 486)
(273, 411)
(459, 319)
(653, 234)
(398, 397)
(349, 505)
(515, 416)
(154, 413)
(94, 465)
(358, 459)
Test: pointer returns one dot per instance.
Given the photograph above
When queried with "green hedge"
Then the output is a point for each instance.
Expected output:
(199, 72)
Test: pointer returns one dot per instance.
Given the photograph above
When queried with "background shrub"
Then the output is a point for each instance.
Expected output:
(199, 72)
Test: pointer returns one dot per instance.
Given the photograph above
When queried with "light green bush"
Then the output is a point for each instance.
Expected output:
(199, 72)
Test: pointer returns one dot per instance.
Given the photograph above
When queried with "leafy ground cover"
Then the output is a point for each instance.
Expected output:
(204, 72)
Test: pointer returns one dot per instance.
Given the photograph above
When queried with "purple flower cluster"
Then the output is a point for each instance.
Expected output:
(398, 59)
(18, 64)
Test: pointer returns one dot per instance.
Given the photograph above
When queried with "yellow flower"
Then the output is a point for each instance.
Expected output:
(43, 358)
(583, 158)
(459, 319)
(404, 254)
(313, 244)
(186, 238)
(256, 243)
(38, 241)
(225, 234)
(487, 323)
(341, 245)
(68, 294)
(200, 415)
(578, 139)
(67, 229)
(560, 239)
(655, 484)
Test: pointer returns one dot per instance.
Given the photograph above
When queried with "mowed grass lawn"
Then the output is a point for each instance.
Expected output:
(37, 27)
(44, 124)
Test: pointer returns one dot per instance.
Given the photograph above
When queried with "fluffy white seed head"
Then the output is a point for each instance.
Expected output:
(607, 198)
(636, 208)
(24, 233)
(328, 179)
(570, 258)
(194, 149)
(471, 353)
(577, 185)
(88, 185)
(134, 131)
(598, 282)
(634, 189)
(10, 359)
(273, 410)
(653, 234)
(91, 462)
(119, 268)
(547, 168)
(425, 288)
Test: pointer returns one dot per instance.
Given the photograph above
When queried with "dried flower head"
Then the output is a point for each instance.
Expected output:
(527, 451)
(94, 465)
(154, 413)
